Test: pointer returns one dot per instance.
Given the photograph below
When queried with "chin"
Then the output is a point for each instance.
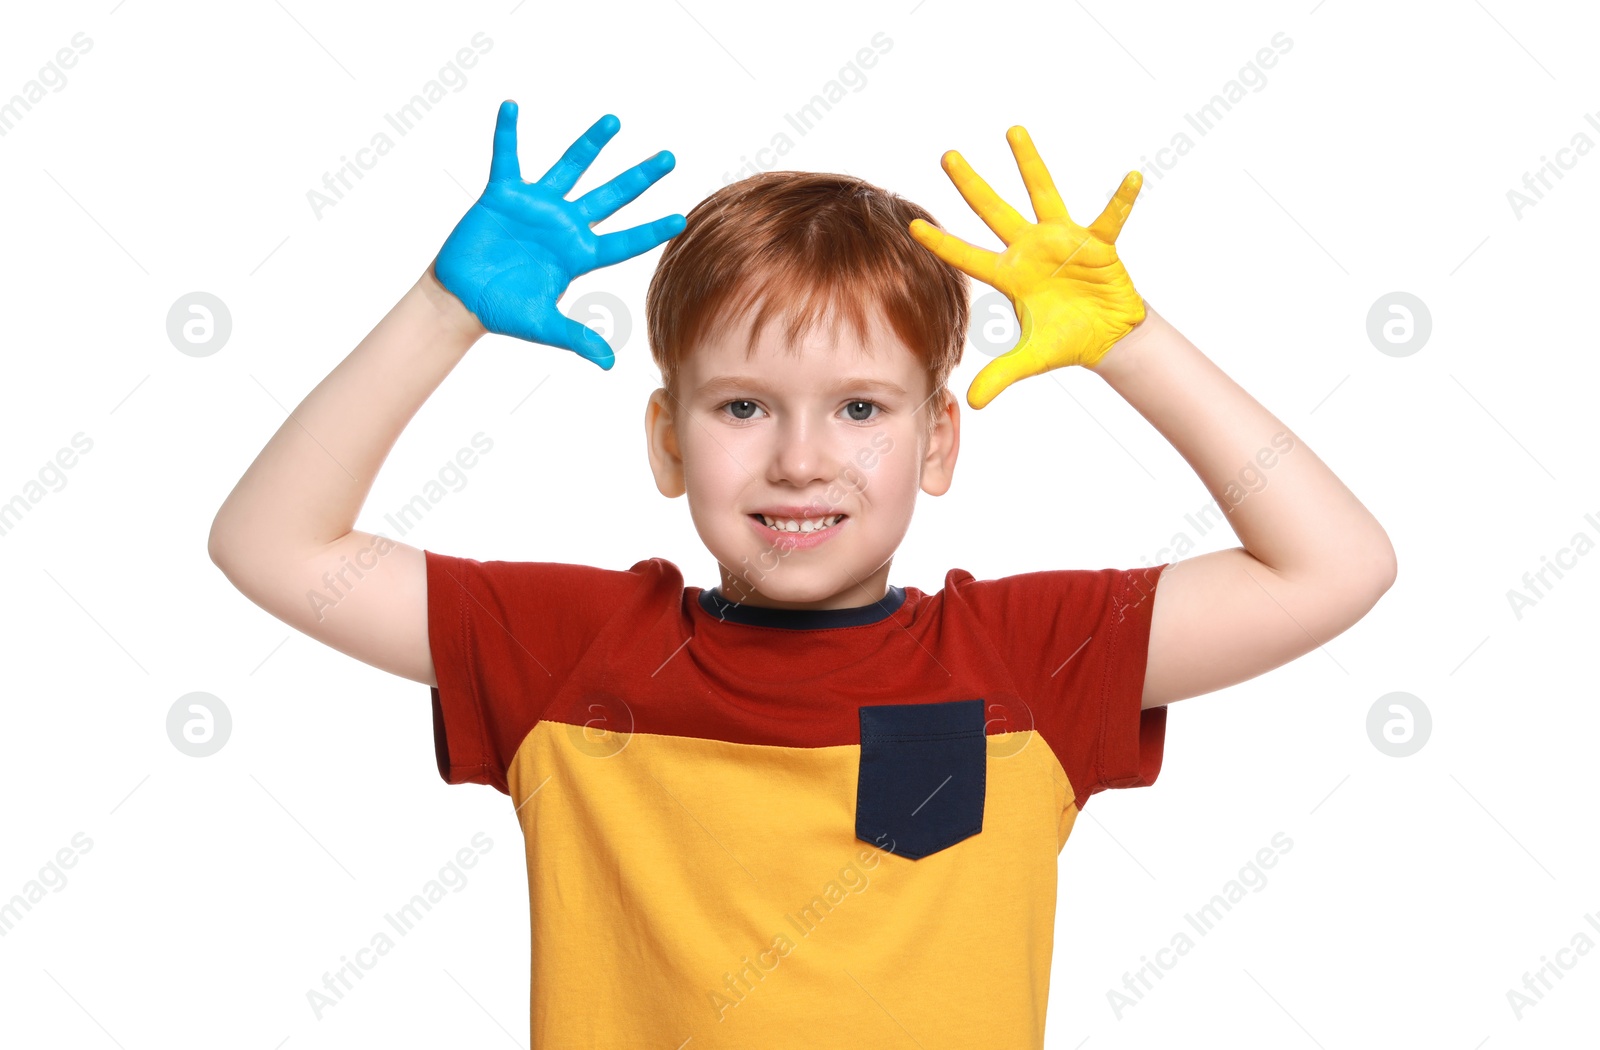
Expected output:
(792, 587)
(802, 593)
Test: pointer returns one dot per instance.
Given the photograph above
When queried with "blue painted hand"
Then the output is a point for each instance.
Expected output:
(521, 243)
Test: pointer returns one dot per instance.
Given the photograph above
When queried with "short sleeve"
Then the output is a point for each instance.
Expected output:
(504, 637)
(1076, 642)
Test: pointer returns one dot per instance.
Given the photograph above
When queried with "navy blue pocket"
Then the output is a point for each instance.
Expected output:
(921, 784)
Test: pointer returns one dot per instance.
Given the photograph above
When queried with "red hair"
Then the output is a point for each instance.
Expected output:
(805, 244)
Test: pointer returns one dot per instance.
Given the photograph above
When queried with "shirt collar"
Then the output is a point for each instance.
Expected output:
(716, 605)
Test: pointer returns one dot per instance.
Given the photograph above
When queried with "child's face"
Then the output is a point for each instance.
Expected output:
(840, 427)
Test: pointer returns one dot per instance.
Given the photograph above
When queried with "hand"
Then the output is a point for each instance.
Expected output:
(521, 243)
(1070, 292)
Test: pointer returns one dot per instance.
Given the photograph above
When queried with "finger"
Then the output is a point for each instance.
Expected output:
(554, 328)
(1018, 363)
(564, 173)
(602, 201)
(978, 263)
(1007, 223)
(1047, 203)
(625, 244)
(504, 167)
(1109, 224)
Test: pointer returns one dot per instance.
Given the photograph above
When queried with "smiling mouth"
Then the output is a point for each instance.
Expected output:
(801, 526)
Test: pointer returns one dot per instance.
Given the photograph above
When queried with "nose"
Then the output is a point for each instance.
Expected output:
(804, 453)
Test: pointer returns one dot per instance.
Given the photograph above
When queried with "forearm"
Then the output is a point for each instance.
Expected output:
(1289, 510)
(307, 485)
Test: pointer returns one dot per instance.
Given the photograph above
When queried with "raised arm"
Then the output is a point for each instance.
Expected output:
(1313, 560)
(285, 536)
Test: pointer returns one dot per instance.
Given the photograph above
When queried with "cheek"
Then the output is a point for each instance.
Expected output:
(884, 476)
(893, 489)
(711, 470)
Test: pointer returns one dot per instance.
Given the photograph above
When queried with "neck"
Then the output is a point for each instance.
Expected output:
(746, 590)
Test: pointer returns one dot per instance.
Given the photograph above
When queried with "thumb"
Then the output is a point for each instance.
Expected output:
(1017, 363)
(554, 328)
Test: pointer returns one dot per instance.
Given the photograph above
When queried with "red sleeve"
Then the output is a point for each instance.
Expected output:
(1076, 642)
(505, 636)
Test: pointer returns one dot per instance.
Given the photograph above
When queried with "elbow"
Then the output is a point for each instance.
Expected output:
(1390, 569)
(1359, 580)
(1380, 567)
(217, 544)
(1368, 561)
(1386, 565)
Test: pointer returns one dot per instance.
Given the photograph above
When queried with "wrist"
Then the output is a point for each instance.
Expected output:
(1122, 353)
(451, 312)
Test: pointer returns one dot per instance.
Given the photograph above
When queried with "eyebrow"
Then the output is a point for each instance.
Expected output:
(735, 384)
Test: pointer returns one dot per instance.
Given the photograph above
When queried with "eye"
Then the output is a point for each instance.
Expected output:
(739, 408)
(852, 406)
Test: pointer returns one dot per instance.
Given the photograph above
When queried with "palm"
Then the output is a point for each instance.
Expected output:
(520, 239)
(521, 243)
(1071, 293)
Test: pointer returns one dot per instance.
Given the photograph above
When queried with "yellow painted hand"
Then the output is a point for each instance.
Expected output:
(1070, 292)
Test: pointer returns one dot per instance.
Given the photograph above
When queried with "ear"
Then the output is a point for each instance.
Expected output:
(944, 443)
(661, 441)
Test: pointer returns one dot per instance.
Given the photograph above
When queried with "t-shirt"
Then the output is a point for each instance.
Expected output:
(751, 827)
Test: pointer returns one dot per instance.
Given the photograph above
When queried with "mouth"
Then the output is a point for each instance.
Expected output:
(801, 526)
(796, 533)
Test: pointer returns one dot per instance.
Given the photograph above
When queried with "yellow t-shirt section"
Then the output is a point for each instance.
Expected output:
(725, 901)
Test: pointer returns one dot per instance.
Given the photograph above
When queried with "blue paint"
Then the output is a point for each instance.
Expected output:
(521, 243)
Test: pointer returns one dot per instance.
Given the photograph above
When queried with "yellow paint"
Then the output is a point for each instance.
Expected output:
(1070, 292)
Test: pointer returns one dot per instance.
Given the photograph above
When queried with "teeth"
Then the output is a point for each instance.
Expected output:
(801, 524)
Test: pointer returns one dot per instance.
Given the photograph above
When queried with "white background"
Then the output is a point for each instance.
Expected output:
(1376, 158)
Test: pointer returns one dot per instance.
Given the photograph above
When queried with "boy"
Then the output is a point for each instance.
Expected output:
(803, 808)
